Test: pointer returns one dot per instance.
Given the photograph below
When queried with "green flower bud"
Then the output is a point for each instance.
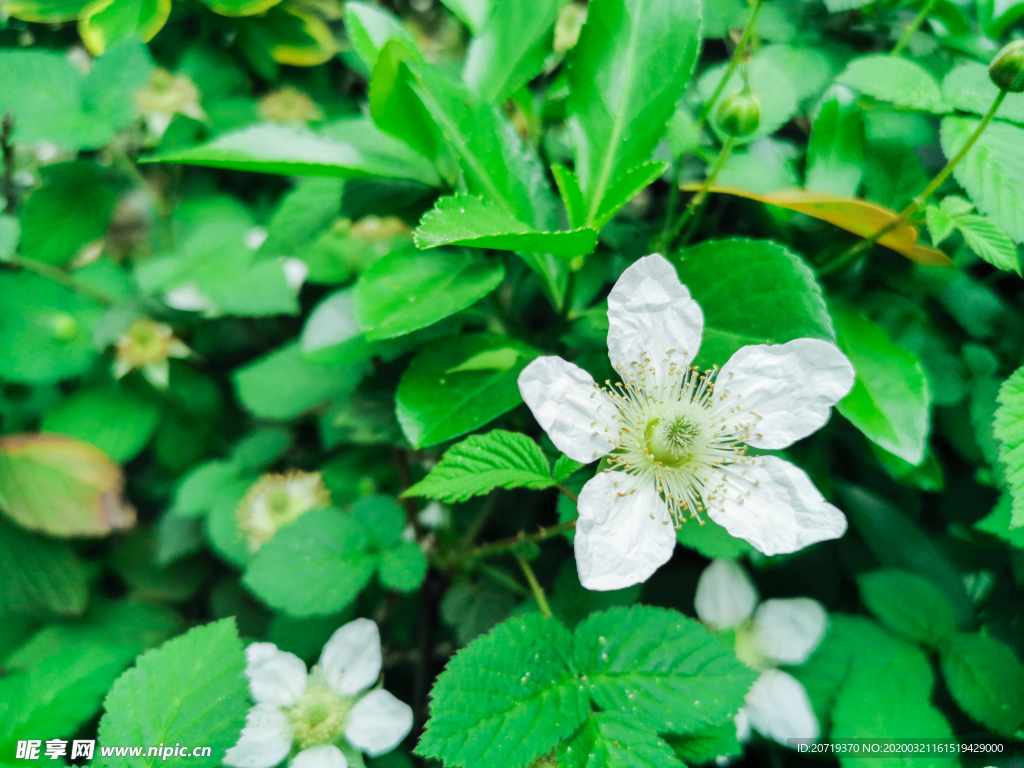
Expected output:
(64, 326)
(739, 114)
(1007, 68)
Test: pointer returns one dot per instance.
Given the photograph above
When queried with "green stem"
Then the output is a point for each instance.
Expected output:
(506, 545)
(741, 46)
(504, 579)
(673, 203)
(912, 27)
(62, 277)
(538, 592)
(697, 201)
(918, 202)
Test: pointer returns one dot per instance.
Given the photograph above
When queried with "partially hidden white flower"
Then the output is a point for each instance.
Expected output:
(676, 438)
(307, 716)
(777, 632)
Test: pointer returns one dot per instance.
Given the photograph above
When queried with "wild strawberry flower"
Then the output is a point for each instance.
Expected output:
(676, 438)
(778, 632)
(307, 716)
(275, 500)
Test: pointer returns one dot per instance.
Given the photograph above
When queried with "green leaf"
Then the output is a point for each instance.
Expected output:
(571, 603)
(988, 241)
(660, 668)
(46, 11)
(304, 213)
(478, 374)
(281, 385)
(779, 101)
(330, 548)
(395, 106)
(472, 609)
(110, 88)
(403, 567)
(886, 695)
(711, 539)
(719, 273)
(889, 402)
(353, 149)
(940, 224)
(564, 467)
(10, 236)
(894, 79)
(510, 49)
(481, 463)
(190, 690)
(61, 486)
(506, 699)
(103, 23)
(707, 745)
(630, 66)
(473, 221)
(239, 7)
(997, 523)
(611, 740)
(204, 485)
(908, 604)
(40, 575)
(986, 680)
(55, 226)
(968, 87)
(572, 195)
(406, 290)
(331, 335)
(59, 693)
(370, 28)
(992, 171)
(472, 13)
(116, 420)
(835, 151)
(286, 34)
(626, 187)
(1009, 431)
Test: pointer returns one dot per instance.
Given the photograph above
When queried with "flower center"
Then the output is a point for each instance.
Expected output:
(675, 437)
(319, 716)
(747, 649)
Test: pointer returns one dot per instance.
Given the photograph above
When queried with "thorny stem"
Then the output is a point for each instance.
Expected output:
(506, 545)
(912, 27)
(538, 592)
(918, 202)
(737, 55)
(696, 203)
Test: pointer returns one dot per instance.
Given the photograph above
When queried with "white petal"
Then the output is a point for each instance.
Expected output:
(350, 661)
(742, 725)
(265, 741)
(783, 512)
(324, 756)
(378, 723)
(275, 677)
(779, 709)
(791, 387)
(725, 595)
(566, 403)
(617, 543)
(650, 311)
(788, 631)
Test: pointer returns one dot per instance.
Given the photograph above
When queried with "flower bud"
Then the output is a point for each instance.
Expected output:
(64, 326)
(1007, 68)
(739, 114)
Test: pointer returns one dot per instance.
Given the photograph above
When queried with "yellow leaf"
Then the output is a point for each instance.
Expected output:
(61, 486)
(104, 22)
(857, 216)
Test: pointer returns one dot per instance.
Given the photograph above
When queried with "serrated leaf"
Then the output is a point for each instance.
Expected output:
(370, 28)
(707, 745)
(940, 224)
(564, 466)
(997, 523)
(988, 241)
(356, 149)
(407, 290)
(507, 698)
(117, 420)
(626, 187)
(479, 464)
(40, 576)
(612, 740)
(1009, 431)
(890, 401)
(968, 87)
(330, 549)
(908, 604)
(473, 221)
(717, 272)
(894, 79)
(660, 668)
(618, 113)
(59, 693)
(61, 486)
(992, 171)
(478, 374)
(510, 49)
(986, 680)
(190, 690)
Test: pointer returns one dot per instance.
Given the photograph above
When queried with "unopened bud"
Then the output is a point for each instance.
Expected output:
(1007, 68)
(739, 114)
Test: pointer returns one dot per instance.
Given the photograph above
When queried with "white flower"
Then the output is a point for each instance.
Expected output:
(780, 632)
(308, 715)
(676, 438)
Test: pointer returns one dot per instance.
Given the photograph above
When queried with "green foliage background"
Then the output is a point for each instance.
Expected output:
(241, 237)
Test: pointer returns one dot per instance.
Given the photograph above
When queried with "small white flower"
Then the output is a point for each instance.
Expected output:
(676, 438)
(780, 632)
(308, 715)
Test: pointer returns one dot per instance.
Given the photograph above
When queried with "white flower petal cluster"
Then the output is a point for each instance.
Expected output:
(676, 438)
(777, 632)
(307, 715)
